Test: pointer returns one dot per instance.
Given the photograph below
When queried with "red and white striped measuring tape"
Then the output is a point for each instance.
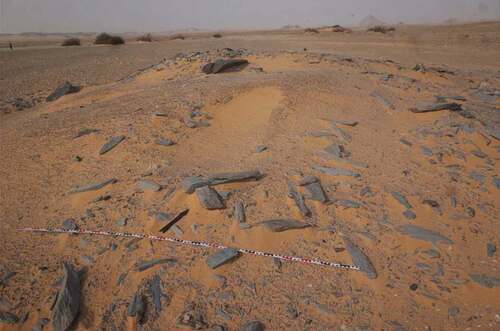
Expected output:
(193, 243)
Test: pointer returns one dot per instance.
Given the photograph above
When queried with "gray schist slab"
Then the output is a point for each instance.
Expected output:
(417, 232)
(110, 144)
(93, 186)
(280, 225)
(209, 198)
(360, 260)
(221, 257)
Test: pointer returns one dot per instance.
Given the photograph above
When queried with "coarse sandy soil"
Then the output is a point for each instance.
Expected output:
(317, 102)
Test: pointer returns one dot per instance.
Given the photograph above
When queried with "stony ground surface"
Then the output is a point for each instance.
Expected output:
(347, 153)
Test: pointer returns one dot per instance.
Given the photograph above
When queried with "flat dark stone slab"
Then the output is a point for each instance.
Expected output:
(401, 199)
(232, 177)
(239, 212)
(316, 192)
(347, 123)
(67, 304)
(299, 200)
(137, 307)
(147, 185)
(221, 257)
(93, 186)
(280, 225)
(417, 232)
(485, 281)
(112, 143)
(308, 180)
(84, 132)
(341, 133)
(192, 183)
(337, 171)
(157, 294)
(222, 65)
(348, 203)
(360, 260)
(431, 107)
(62, 90)
(209, 198)
(142, 266)
(164, 142)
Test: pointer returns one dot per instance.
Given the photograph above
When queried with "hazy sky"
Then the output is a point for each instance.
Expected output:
(162, 15)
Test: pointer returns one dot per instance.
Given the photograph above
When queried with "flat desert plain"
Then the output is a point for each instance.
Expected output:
(375, 150)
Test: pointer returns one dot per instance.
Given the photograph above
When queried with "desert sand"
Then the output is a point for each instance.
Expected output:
(411, 196)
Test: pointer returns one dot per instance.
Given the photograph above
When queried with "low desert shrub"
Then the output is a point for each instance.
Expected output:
(381, 29)
(71, 42)
(107, 39)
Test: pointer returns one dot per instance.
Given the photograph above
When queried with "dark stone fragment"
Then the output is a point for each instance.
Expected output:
(432, 203)
(232, 177)
(222, 65)
(485, 281)
(253, 326)
(409, 215)
(260, 149)
(162, 217)
(413, 287)
(453, 311)
(340, 133)
(299, 200)
(401, 199)
(67, 305)
(147, 185)
(280, 225)
(337, 171)
(61, 90)
(366, 191)
(337, 150)
(192, 318)
(347, 123)
(348, 203)
(221, 257)
(164, 142)
(316, 192)
(496, 182)
(239, 212)
(491, 249)
(209, 198)
(308, 180)
(155, 287)
(470, 211)
(192, 183)
(427, 151)
(8, 318)
(360, 260)
(432, 253)
(112, 143)
(84, 132)
(70, 225)
(406, 142)
(94, 186)
(137, 308)
(142, 266)
(417, 232)
(424, 108)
